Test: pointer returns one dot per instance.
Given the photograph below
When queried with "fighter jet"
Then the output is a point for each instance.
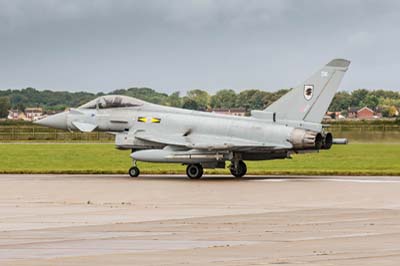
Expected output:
(163, 134)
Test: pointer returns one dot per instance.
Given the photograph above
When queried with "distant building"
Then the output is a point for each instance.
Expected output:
(33, 113)
(352, 112)
(334, 115)
(16, 115)
(363, 113)
(329, 116)
(230, 111)
(30, 114)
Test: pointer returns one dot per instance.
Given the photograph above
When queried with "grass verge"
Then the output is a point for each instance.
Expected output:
(353, 159)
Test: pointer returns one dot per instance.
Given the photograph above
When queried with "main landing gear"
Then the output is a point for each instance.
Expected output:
(238, 169)
(134, 170)
(194, 171)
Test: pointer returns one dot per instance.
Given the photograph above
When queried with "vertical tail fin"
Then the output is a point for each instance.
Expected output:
(310, 101)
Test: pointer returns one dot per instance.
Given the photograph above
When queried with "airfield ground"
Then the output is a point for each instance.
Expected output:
(169, 220)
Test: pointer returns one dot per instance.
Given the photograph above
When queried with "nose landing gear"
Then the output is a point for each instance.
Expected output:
(134, 170)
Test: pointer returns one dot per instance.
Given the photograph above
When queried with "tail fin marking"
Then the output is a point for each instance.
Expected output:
(310, 101)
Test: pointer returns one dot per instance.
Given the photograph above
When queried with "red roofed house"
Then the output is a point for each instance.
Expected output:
(365, 113)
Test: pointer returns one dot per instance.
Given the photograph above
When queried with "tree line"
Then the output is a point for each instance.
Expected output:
(384, 101)
(196, 99)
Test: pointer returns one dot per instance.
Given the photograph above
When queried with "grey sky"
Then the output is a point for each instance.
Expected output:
(176, 45)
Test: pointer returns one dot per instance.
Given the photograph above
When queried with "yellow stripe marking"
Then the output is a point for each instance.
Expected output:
(155, 120)
(142, 119)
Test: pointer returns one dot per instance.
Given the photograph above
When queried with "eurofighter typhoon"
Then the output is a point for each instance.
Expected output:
(201, 140)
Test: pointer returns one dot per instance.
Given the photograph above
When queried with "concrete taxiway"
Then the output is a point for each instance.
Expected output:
(170, 220)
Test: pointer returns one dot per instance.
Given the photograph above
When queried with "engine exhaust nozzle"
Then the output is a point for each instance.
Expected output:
(306, 139)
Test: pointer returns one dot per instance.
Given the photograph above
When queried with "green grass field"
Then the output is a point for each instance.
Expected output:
(353, 159)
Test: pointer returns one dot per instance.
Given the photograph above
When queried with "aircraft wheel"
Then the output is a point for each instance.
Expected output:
(134, 171)
(240, 170)
(194, 171)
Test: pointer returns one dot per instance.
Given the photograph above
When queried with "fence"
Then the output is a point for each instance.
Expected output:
(364, 133)
(32, 133)
(367, 132)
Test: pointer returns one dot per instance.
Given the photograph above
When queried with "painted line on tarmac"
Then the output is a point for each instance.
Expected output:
(54, 143)
(328, 180)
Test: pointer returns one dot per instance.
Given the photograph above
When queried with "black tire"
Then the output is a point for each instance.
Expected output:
(194, 171)
(240, 171)
(134, 171)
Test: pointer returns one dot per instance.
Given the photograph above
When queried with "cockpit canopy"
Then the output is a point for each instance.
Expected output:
(112, 101)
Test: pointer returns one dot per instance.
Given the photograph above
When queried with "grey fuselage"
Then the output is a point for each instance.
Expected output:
(126, 122)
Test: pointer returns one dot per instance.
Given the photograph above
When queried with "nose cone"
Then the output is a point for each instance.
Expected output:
(55, 121)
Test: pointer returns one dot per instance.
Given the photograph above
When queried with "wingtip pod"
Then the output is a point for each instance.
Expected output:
(339, 63)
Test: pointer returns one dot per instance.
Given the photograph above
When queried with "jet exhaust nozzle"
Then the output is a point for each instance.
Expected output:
(306, 139)
(328, 141)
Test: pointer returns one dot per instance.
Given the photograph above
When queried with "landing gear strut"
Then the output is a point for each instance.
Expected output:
(134, 170)
(194, 171)
(238, 169)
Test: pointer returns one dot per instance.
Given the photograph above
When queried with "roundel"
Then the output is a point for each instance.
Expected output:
(308, 92)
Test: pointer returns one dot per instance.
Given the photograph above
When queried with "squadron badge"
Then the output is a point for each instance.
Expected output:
(308, 92)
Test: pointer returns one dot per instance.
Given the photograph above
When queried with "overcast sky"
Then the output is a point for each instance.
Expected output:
(176, 45)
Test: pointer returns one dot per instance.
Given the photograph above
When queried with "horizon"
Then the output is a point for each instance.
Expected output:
(183, 93)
